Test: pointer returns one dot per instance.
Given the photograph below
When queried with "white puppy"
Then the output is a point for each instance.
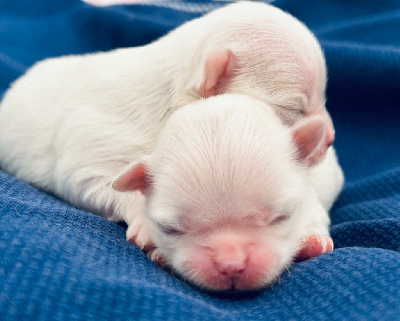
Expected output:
(229, 199)
(71, 124)
(250, 48)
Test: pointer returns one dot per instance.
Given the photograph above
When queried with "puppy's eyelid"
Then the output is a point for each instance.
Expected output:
(169, 230)
(280, 219)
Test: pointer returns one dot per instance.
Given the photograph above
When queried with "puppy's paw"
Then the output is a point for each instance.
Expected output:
(156, 256)
(314, 245)
(139, 235)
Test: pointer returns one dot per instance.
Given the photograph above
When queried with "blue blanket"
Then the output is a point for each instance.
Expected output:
(61, 263)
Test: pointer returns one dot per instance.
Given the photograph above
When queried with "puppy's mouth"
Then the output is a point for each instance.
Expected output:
(236, 293)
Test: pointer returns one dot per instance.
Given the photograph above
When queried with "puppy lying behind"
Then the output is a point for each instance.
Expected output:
(250, 48)
(229, 200)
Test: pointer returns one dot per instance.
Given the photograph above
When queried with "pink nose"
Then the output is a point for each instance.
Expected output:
(231, 269)
(230, 260)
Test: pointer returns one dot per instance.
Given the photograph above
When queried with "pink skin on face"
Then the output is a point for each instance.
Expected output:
(232, 261)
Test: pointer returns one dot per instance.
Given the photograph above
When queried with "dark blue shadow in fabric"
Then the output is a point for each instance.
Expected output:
(61, 263)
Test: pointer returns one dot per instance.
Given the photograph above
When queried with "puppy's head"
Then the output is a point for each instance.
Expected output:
(258, 50)
(226, 190)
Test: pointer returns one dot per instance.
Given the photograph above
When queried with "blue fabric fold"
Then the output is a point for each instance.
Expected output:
(58, 262)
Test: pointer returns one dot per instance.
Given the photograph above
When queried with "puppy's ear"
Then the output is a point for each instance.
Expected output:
(330, 130)
(217, 71)
(309, 136)
(135, 178)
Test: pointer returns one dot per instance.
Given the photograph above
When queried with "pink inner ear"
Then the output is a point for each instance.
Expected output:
(309, 137)
(330, 135)
(330, 131)
(218, 66)
(136, 178)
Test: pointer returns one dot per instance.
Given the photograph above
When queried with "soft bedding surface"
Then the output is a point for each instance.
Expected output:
(62, 263)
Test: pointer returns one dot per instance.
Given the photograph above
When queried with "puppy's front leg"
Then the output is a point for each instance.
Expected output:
(116, 206)
(131, 182)
(316, 240)
(138, 233)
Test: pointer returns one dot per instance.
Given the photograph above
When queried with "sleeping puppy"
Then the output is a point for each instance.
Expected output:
(71, 124)
(229, 197)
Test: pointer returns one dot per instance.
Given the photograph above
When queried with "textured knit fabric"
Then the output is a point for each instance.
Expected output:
(62, 263)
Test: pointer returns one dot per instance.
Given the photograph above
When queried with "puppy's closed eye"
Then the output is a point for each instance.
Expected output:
(169, 230)
(280, 219)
